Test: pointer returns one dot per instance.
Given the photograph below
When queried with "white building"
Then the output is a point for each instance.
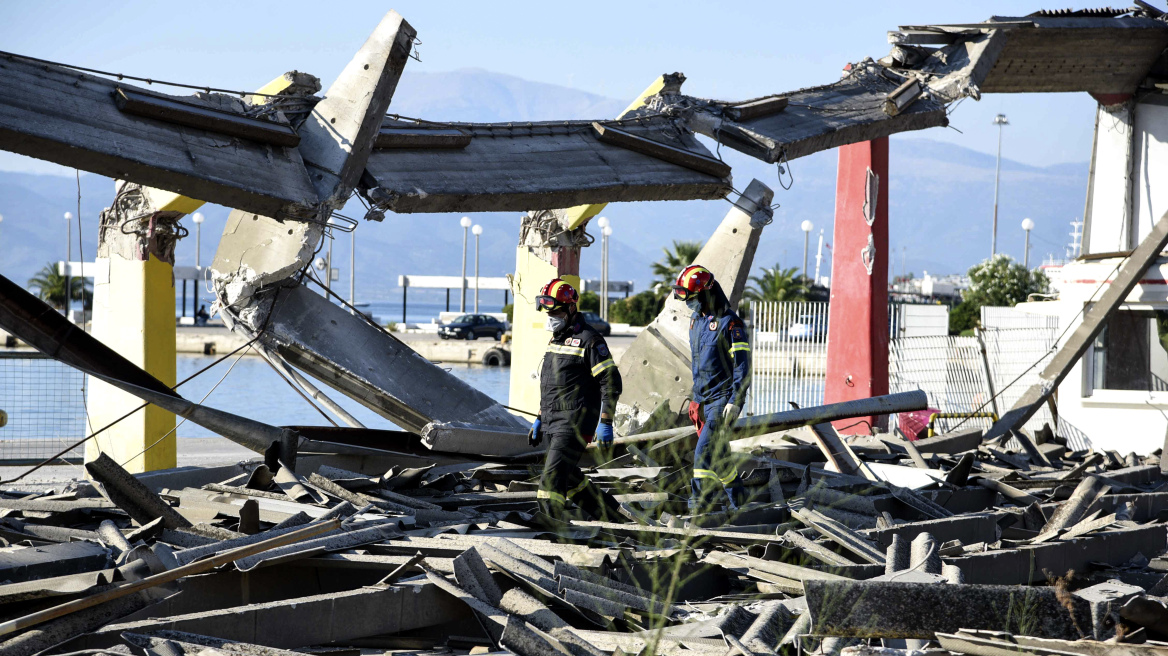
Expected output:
(1117, 392)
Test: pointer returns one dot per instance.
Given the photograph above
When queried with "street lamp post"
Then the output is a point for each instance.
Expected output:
(605, 231)
(806, 226)
(68, 256)
(198, 218)
(1, 218)
(1001, 122)
(1027, 225)
(465, 223)
(818, 255)
(477, 230)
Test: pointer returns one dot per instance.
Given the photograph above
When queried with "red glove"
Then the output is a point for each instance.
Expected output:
(695, 415)
(588, 439)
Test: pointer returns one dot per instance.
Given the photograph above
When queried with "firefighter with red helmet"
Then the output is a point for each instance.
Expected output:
(720, 356)
(579, 385)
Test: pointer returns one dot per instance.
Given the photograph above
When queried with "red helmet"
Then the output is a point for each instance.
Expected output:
(693, 279)
(555, 295)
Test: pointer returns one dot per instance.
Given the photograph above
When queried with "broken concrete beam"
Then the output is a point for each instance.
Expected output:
(314, 620)
(179, 643)
(956, 442)
(31, 563)
(112, 537)
(549, 166)
(969, 528)
(131, 495)
(1029, 565)
(68, 117)
(921, 610)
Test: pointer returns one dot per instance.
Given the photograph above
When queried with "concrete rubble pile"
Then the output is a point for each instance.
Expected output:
(943, 545)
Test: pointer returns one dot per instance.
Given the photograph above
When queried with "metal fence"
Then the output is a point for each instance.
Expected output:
(45, 404)
(960, 374)
(789, 353)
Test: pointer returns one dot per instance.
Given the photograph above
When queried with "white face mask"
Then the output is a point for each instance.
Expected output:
(555, 323)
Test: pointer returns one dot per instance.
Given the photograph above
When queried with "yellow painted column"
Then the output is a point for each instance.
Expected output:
(134, 314)
(532, 271)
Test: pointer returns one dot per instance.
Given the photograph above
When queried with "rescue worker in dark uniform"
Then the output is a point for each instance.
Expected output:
(579, 386)
(720, 354)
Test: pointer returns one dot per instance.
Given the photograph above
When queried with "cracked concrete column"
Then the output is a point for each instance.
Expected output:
(133, 313)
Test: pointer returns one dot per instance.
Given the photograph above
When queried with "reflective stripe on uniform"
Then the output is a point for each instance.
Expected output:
(706, 473)
(607, 364)
(574, 491)
(551, 496)
(729, 479)
(740, 346)
(566, 350)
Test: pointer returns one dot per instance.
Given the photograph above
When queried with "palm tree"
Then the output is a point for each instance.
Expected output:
(777, 284)
(50, 287)
(666, 270)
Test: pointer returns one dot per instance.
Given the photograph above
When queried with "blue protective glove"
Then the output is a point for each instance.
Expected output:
(534, 437)
(604, 434)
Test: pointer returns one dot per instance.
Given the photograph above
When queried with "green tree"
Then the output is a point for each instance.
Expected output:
(667, 268)
(776, 284)
(996, 282)
(50, 287)
(636, 310)
(509, 310)
(589, 302)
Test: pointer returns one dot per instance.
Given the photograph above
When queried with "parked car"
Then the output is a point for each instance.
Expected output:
(599, 325)
(809, 327)
(473, 326)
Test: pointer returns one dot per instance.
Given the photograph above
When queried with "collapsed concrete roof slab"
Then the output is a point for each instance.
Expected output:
(824, 117)
(64, 116)
(536, 166)
(1055, 53)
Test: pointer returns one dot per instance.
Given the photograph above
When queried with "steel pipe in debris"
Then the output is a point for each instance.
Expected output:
(876, 405)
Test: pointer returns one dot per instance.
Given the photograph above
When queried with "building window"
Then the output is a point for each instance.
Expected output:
(1131, 353)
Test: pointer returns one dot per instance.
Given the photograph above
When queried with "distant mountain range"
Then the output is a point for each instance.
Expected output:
(941, 203)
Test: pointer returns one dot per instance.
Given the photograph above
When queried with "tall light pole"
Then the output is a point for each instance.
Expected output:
(605, 231)
(1001, 122)
(818, 255)
(1027, 225)
(465, 223)
(198, 218)
(68, 256)
(806, 226)
(477, 230)
(1, 218)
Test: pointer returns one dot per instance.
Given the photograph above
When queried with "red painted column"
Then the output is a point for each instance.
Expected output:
(857, 339)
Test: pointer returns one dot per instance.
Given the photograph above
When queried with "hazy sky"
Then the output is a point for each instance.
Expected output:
(727, 51)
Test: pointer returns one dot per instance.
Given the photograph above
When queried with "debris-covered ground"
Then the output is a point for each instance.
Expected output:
(946, 543)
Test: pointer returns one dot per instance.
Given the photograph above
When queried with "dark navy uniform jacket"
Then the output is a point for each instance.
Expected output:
(721, 358)
(578, 375)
